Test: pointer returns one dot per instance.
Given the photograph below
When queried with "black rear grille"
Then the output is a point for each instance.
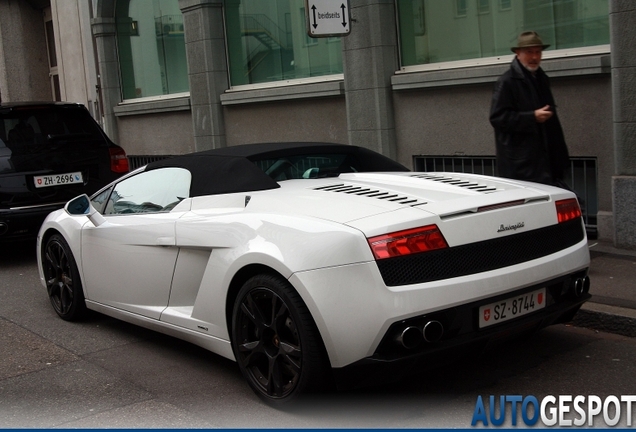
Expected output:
(480, 257)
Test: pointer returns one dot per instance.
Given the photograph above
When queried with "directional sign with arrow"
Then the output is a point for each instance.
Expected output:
(327, 18)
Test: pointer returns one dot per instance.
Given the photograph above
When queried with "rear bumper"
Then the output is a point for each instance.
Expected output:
(392, 362)
(354, 309)
(24, 223)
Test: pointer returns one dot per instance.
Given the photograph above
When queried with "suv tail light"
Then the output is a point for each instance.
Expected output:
(118, 160)
(568, 209)
(407, 242)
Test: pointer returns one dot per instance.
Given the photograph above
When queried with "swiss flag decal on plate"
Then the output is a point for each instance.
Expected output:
(512, 307)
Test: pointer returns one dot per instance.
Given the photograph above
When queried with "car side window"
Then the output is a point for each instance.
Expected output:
(154, 191)
(99, 201)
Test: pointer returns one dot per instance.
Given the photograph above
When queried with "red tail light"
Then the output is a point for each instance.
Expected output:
(568, 209)
(407, 242)
(118, 160)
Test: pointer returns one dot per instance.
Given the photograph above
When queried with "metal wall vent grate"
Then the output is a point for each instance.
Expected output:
(136, 161)
(371, 193)
(456, 181)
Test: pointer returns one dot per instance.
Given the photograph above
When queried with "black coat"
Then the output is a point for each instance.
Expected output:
(527, 150)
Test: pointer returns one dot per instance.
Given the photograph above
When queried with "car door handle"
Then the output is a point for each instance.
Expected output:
(166, 241)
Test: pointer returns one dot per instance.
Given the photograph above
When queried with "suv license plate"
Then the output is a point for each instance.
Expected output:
(57, 179)
(512, 307)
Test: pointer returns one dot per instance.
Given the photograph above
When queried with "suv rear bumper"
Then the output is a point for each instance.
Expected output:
(24, 222)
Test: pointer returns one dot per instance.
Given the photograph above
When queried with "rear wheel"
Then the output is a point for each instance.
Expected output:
(62, 279)
(275, 341)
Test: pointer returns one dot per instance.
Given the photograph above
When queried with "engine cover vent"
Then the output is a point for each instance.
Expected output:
(372, 193)
(456, 181)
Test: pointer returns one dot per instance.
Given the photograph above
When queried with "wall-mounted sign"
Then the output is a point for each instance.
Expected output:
(327, 18)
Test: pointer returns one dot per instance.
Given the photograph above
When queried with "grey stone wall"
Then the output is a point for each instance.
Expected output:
(398, 114)
(370, 58)
(623, 40)
(290, 120)
(207, 69)
(103, 28)
(167, 133)
(24, 68)
(140, 127)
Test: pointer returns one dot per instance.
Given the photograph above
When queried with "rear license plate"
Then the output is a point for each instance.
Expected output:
(512, 307)
(57, 179)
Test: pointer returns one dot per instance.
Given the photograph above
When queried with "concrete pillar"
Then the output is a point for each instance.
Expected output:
(108, 74)
(623, 43)
(370, 58)
(207, 69)
(24, 68)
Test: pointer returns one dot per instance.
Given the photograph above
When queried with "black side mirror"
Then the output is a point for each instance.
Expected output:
(81, 206)
(78, 206)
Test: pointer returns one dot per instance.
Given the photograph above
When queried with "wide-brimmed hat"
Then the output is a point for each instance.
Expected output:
(529, 39)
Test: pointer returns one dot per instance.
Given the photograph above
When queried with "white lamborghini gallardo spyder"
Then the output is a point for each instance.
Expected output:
(308, 263)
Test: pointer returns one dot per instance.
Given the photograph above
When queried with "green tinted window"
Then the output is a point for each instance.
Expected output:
(267, 41)
(433, 31)
(151, 48)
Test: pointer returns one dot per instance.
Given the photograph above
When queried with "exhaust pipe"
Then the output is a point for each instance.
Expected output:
(3, 228)
(581, 286)
(433, 331)
(410, 337)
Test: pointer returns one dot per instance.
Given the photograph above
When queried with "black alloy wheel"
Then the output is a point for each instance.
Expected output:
(276, 342)
(62, 279)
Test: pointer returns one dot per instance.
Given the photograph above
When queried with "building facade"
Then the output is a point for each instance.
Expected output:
(413, 79)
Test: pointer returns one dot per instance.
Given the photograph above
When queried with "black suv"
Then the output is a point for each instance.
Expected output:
(50, 152)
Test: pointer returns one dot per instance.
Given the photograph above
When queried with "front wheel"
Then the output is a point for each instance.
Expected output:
(63, 283)
(275, 341)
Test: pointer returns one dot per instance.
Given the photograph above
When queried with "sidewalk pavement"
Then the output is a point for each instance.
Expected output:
(613, 288)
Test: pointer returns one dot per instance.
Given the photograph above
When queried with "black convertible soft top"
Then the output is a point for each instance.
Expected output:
(233, 169)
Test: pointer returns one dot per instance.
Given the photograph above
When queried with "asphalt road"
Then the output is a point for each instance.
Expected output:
(106, 373)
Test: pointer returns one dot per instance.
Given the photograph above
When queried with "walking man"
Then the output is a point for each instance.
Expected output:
(529, 138)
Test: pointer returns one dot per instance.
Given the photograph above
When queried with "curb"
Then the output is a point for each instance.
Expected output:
(606, 247)
(611, 319)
